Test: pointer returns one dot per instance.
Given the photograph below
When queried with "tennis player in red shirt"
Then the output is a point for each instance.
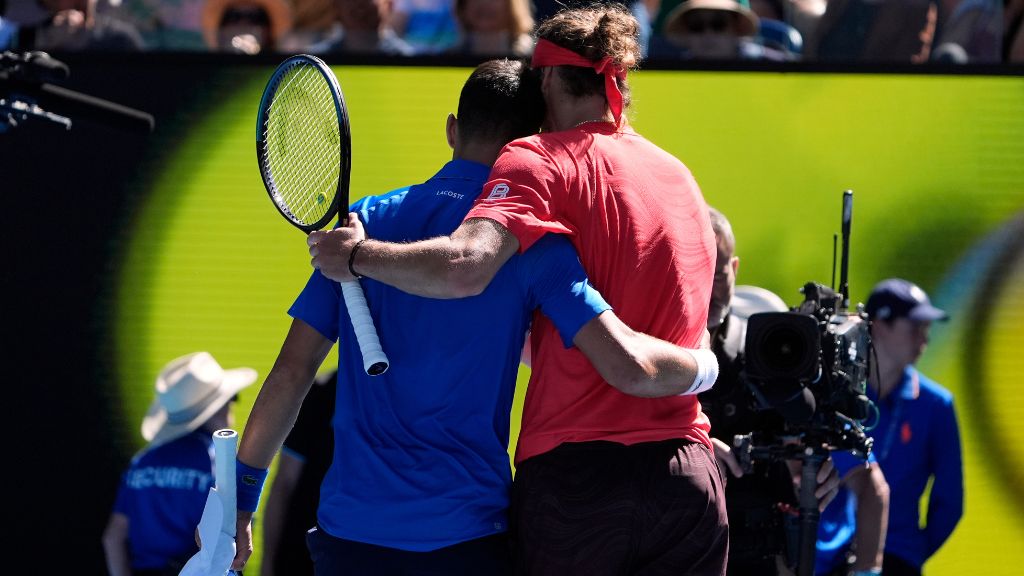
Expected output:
(611, 479)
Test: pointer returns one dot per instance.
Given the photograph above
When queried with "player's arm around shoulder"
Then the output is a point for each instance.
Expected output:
(641, 365)
(455, 266)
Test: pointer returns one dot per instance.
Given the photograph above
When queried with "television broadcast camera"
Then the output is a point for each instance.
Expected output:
(28, 92)
(811, 365)
(809, 368)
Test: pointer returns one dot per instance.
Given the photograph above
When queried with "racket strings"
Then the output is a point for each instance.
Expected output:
(310, 176)
(302, 145)
(304, 138)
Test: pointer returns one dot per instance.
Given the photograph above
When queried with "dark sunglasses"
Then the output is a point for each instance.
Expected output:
(701, 21)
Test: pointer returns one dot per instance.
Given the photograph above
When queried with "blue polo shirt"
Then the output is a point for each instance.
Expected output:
(163, 494)
(420, 458)
(838, 522)
(917, 439)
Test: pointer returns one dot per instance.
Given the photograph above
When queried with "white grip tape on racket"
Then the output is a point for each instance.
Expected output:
(362, 323)
(225, 448)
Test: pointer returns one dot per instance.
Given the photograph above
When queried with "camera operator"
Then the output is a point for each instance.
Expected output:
(916, 438)
(762, 504)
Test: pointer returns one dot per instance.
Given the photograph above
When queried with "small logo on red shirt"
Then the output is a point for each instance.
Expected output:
(499, 191)
(905, 434)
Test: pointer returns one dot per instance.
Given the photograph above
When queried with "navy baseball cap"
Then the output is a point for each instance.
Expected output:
(897, 298)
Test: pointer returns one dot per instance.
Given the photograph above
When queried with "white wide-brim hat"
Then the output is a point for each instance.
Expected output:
(189, 390)
(748, 20)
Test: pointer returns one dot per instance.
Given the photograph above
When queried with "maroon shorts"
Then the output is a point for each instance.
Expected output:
(602, 508)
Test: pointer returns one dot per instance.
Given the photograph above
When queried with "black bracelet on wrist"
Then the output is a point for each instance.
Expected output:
(352, 259)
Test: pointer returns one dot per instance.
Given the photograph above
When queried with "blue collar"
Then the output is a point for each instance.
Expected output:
(909, 387)
(464, 170)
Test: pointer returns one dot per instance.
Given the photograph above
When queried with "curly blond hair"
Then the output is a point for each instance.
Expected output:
(596, 32)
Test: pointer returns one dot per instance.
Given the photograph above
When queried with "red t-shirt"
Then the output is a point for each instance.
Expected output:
(642, 231)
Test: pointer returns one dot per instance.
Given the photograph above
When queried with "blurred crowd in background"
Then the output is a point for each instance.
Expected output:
(875, 31)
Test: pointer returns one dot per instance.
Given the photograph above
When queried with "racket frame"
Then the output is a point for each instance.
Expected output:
(344, 134)
(375, 361)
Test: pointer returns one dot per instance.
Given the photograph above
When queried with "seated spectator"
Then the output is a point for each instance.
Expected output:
(971, 32)
(646, 13)
(75, 25)
(168, 24)
(312, 22)
(804, 15)
(712, 30)
(1013, 31)
(774, 31)
(8, 33)
(245, 26)
(875, 31)
(428, 26)
(364, 30)
(494, 27)
(778, 35)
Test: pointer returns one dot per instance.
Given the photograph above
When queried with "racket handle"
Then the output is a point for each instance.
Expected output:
(374, 360)
(225, 448)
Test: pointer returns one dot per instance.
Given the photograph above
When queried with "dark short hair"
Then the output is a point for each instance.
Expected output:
(501, 101)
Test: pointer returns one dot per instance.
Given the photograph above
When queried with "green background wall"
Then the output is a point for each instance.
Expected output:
(936, 164)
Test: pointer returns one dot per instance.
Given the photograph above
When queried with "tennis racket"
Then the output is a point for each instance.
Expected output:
(304, 150)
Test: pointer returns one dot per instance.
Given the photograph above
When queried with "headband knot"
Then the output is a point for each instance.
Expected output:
(547, 53)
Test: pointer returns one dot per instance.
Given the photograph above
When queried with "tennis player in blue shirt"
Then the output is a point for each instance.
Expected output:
(917, 438)
(420, 479)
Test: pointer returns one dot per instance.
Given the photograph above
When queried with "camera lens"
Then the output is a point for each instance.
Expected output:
(782, 346)
(783, 349)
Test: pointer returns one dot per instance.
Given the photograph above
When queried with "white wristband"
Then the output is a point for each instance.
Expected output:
(707, 371)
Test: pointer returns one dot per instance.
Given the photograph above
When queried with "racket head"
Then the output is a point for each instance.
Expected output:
(303, 142)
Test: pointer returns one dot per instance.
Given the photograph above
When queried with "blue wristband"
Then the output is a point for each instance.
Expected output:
(249, 482)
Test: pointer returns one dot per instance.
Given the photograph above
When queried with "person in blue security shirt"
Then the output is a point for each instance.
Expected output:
(420, 481)
(151, 531)
(917, 438)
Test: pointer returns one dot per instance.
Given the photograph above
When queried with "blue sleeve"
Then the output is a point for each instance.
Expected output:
(317, 305)
(557, 284)
(946, 501)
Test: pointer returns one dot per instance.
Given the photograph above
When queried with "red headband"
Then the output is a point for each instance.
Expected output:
(547, 53)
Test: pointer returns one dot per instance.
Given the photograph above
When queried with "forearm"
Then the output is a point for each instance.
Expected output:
(273, 415)
(635, 363)
(117, 559)
(872, 521)
(115, 545)
(453, 266)
(434, 268)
